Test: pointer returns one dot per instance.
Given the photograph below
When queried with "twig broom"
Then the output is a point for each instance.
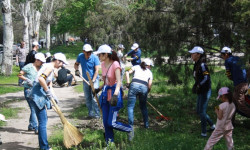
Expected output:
(71, 135)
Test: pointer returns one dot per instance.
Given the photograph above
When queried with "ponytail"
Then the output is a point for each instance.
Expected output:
(229, 96)
(113, 56)
(143, 65)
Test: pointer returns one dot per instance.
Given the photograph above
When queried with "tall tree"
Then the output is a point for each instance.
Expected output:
(6, 68)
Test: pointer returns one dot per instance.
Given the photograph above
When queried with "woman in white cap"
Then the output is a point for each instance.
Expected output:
(28, 74)
(111, 98)
(139, 86)
(42, 92)
(202, 87)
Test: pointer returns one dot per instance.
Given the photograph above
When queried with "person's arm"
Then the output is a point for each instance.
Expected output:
(205, 74)
(118, 79)
(149, 85)
(128, 53)
(97, 67)
(76, 65)
(127, 75)
(219, 113)
(21, 75)
(228, 71)
(42, 79)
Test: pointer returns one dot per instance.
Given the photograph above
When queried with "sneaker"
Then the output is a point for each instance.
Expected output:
(131, 134)
(212, 128)
(203, 134)
(31, 129)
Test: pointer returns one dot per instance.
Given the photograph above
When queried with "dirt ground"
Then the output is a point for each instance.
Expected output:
(15, 134)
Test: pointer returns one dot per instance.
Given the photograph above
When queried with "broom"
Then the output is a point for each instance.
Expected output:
(71, 135)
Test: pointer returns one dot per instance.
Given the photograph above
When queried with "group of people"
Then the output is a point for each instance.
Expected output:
(231, 101)
(37, 77)
(112, 65)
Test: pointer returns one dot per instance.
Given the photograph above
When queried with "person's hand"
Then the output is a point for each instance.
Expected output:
(55, 98)
(77, 73)
(97, 91)
(114, 100)
(49, 94)
(17, 64)
(29, 82)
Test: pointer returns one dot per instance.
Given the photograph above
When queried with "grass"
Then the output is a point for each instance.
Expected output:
(8, 84)
(8, 113)
(175, 100)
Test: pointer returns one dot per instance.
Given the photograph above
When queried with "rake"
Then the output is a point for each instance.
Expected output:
(71, 135)
(161, 117)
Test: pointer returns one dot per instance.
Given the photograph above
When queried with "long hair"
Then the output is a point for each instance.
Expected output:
(113, 56)
(229, 96)
(143, 66)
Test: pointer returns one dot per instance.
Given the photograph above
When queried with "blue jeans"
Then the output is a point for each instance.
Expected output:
(21, 65)
(91, 102)
(42, 127)
(140, 90)
(201, 109)
(69, 79)
(33, 118)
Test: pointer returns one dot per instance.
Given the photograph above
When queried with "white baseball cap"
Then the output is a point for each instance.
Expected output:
(148, 62)
(226, 50)
(40, 56)
(87, 47)
(121, 46)
(196, 49)
(135, 46)
(104, 49)
(62, 57)
(2, 117)
(35, 43)
(48, 54)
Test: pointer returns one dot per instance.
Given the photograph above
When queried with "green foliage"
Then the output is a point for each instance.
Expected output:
(8, 113)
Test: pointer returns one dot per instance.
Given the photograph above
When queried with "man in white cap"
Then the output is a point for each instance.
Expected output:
(135, 54)
(235, 71)
(89, 63)
(31, 55)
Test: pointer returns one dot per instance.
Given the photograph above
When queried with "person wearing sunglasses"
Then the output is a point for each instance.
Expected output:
(89, 63)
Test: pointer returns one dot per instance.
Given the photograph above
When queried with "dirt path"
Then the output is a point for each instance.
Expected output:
(15, 135)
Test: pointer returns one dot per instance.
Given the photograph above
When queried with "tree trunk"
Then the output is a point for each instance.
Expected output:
(48, 36)
(30, 27)
(6, 68)
(36, 23)
(25, 10)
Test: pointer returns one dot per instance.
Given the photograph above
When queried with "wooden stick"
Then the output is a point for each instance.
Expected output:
(93, 90)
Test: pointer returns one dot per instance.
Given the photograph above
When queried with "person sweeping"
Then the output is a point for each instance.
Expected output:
(224, 126)
(42, 93)
(28, 75)
(140, 86)
(111, 97)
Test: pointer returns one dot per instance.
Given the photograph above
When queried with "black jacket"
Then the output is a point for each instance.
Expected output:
(202, 78)
(30, 58)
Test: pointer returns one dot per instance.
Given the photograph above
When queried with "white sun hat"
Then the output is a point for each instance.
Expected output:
(48, 54)
(62, 57)
(121, 46)
(104, 49)
(40, 56)
(226, 50)
(135, 46)
(196, 49)
(35, 43)
(148, 62)
(87, 47)
(2, 117)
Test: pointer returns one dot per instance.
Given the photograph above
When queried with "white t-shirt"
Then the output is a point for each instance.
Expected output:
(120, 55)
(44, 67)
(141, 74)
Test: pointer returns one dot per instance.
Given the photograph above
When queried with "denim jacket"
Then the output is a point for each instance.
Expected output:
(39, 96)
(103, 97)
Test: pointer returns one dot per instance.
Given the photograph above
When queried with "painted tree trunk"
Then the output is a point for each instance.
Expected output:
(30, 27)
(8, 37)
(48, 36)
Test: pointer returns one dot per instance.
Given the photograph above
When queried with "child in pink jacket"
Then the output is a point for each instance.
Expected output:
(224, 126)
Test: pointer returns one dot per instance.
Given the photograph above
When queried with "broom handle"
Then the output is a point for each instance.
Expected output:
(93, 90)
(154, 108)
(58, 111)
